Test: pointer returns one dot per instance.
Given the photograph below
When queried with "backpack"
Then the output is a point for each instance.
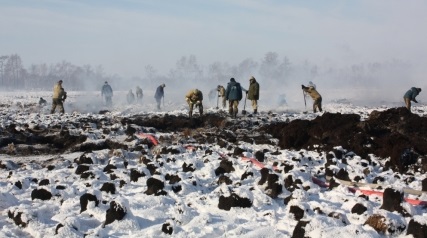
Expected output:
(237, 91)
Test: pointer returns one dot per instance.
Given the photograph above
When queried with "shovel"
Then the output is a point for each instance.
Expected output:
(305, 102)
(217, 99)
(244, 106)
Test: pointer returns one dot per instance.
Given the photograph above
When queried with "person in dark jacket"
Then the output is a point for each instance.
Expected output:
(410, 96)
(139, 94)
(253, 93)
(42, 102)
(130, 97)
(107, 93)
(159, 95)
(233, 94)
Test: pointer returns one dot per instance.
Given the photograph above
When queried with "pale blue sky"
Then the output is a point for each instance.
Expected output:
(125, 36)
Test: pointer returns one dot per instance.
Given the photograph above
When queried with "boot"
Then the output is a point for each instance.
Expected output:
(190, 114)
(255, 111)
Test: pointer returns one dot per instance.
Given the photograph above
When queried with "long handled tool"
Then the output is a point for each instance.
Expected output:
(217, 99)
(244, 107)
(305, 102)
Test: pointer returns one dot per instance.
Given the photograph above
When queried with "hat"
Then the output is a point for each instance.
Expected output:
(60, 81)
(106, 82)
(163, 85)
(252, 77)
(232, 80)
(419, 89)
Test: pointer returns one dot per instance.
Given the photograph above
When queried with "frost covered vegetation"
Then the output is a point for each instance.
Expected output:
(136, 172)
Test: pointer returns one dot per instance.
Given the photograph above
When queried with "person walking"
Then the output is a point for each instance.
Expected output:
(233, 94)
(107, 93)
(410, 96)
(160, 93)
(253, 93)
(139, 94)
(194, 97)
(221, 93)
(317, 99)
(58, 98)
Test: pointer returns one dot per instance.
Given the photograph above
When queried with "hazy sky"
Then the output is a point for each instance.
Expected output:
(124, 36)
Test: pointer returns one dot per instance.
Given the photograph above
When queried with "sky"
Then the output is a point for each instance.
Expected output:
(125, 36)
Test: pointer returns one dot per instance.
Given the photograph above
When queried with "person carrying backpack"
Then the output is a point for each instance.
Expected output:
(233, 94)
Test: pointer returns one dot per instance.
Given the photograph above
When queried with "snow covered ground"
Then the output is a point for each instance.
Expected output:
(188, 206)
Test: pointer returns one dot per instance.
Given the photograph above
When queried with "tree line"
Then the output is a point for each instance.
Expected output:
(271, 69)
(13, 75)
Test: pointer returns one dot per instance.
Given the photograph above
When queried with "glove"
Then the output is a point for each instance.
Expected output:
(247, 92)
(415, 101)
(302, 86)
(219, 96)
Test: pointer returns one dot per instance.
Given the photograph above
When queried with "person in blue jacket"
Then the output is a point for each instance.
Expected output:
(410, 96)
(233, 94)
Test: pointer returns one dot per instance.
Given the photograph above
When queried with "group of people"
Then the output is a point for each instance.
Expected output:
(233, 94)
(107, 93)
(317, 98)
(130, 97)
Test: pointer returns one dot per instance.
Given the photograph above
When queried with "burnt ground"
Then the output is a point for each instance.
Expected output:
(395, 133)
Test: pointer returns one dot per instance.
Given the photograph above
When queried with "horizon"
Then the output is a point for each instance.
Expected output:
(126, 36)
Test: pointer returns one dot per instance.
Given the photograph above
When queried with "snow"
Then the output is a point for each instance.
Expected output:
(192, 212)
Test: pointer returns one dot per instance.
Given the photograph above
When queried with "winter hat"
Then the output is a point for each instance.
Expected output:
(232, 80)
(163, 85)
(60, 81)
(252, 78)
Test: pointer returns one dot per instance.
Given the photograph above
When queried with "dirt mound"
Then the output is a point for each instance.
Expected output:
(394, 133)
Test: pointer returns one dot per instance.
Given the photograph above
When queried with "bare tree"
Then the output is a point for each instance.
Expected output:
(219, 72)
(2, 66)
(245, 69)
(188, 69)
(13, 71)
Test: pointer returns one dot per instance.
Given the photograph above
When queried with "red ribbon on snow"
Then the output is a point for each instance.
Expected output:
(368, 192)
(326, 185)
(256, 162)
(148, 136)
